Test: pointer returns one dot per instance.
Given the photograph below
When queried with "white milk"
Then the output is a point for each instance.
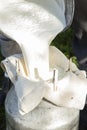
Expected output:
(33, 24)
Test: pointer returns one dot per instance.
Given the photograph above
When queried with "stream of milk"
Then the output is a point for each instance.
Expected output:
(33, 24)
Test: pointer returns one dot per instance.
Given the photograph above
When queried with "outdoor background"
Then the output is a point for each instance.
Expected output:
(64, 42)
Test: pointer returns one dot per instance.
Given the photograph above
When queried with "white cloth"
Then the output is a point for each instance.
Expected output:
(71, 83)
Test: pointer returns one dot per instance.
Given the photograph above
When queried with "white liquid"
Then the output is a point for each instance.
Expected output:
(33, 24)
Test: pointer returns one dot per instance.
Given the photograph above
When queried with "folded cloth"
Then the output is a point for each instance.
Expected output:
(13, 65)
(71, 91)
(29, 93)
(69, 81)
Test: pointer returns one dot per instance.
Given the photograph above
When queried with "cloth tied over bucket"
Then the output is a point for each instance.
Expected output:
(65, 85)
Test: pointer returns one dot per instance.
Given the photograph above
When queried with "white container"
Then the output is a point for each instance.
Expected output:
(44, 117)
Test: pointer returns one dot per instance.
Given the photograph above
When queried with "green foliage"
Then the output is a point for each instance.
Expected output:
(74, 60)
(63, 41)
